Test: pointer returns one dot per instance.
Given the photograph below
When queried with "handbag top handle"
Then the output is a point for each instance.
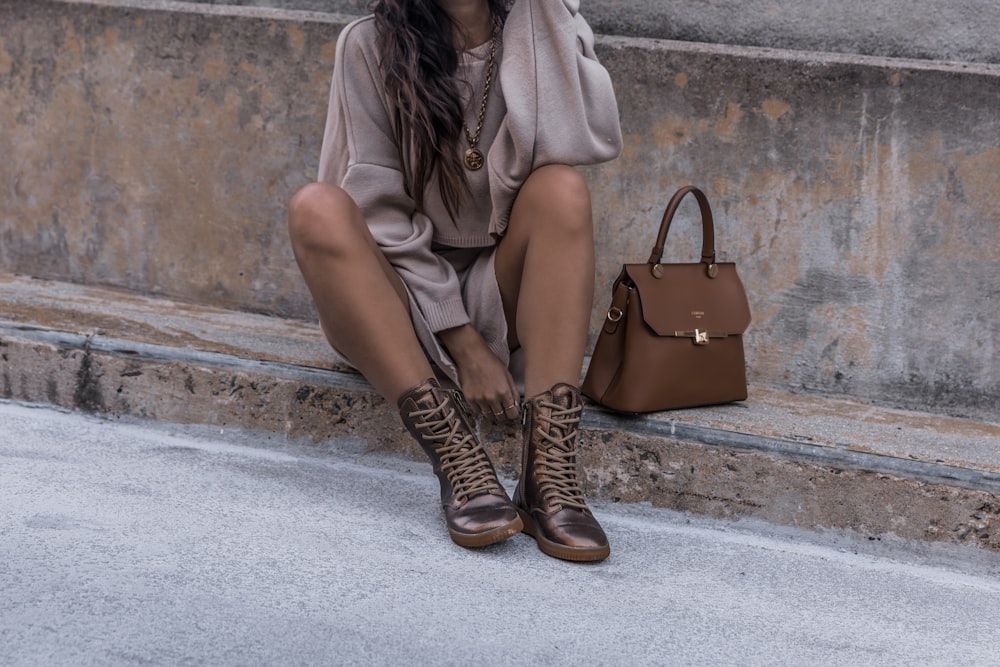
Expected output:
(707, 226)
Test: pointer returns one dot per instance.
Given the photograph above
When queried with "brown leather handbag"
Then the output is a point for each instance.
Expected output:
(673, 337)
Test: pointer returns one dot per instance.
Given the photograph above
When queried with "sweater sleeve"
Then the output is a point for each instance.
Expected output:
(360, 155)
(561, 106)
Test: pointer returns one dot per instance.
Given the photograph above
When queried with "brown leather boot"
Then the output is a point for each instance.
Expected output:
(476, 507)
(548, 495)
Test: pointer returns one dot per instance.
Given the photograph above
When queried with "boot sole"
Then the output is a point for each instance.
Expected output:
(556, 550)
(486, 538)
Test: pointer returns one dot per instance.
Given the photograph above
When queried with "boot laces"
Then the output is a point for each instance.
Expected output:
(559, 484)
(463, 459)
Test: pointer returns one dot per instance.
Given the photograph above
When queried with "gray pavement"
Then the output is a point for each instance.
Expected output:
(141, 543)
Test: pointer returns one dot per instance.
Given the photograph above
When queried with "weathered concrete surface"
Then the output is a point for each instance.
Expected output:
(47, 308)
(154, 149)
(121, 314)
(934, 29)
(793, 460)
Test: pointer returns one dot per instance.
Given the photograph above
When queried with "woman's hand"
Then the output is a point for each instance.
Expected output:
(485, 381)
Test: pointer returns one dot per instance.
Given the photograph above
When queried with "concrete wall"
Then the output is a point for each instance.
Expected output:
(154, 149)
(964, 30)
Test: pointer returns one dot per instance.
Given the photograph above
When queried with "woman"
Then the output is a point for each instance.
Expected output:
(449, 228)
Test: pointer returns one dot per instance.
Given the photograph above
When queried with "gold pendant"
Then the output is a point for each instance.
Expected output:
(473, 159)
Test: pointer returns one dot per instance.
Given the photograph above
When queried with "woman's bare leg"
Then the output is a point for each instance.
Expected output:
(364, 310)
(362, 304)
(545, 269)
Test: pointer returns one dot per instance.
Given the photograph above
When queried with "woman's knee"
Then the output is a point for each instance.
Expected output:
(321, 215)
(559, 181)
(558, 194)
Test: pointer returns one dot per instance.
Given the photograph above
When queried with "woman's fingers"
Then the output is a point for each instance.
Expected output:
(493, 410)
(498, 408)
(510, 408)
(507, 409)
(488, 386)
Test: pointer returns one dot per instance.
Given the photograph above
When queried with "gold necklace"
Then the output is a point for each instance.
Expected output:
(473, 156)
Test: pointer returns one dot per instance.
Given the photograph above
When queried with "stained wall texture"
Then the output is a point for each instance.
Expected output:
(155, 149)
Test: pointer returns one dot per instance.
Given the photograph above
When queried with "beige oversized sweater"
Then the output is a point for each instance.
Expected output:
(553, 104)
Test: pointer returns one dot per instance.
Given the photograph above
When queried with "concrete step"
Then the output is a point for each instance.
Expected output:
(791, 459)
(961, 30)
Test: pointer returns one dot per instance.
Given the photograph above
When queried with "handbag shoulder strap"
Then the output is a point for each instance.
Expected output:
(707, 226)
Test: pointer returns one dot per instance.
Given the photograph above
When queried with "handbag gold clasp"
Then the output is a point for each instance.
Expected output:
(698, 337)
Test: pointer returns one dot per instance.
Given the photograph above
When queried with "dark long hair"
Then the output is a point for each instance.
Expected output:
(418, 61)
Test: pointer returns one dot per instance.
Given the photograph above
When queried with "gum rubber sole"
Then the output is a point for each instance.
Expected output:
(556, 550)
(486, 538)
